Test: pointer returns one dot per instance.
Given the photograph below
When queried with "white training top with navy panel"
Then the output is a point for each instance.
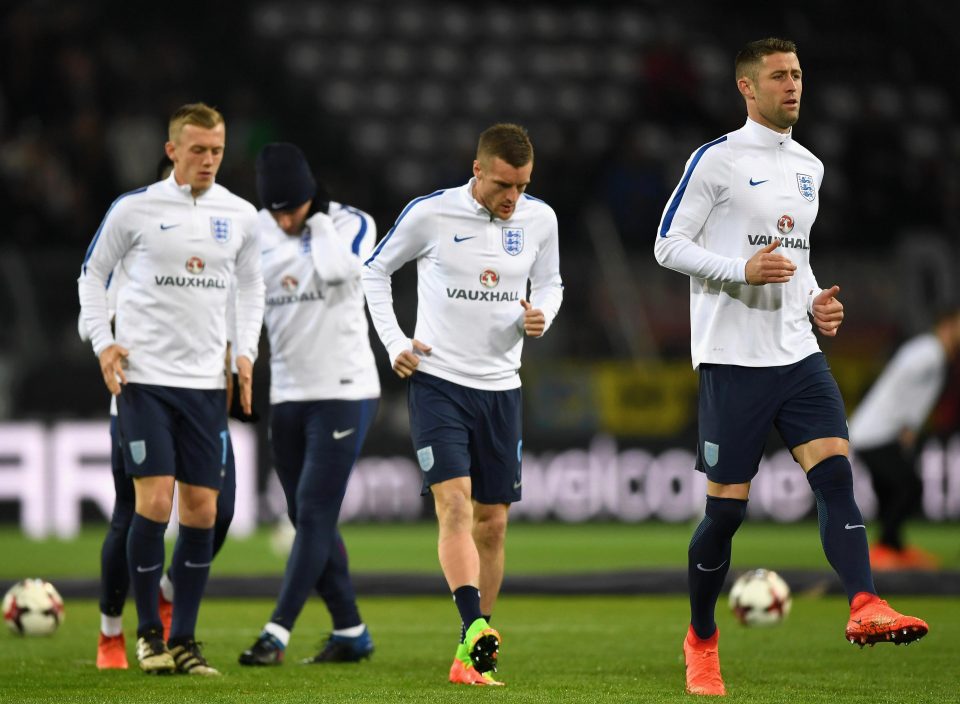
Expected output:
(319, 340)
(472, 272)
(904, 394)
(181, 256)
(738, 194)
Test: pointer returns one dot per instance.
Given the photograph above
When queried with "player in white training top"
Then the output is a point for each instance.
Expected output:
(182, 243)
(885, 429)
(739, 225)
(324, 390)
(476, 248)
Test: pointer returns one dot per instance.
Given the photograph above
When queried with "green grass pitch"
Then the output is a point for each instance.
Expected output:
(580, 649)
(555, 649)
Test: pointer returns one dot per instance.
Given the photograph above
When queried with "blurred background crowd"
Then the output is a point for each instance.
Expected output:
(388, 98)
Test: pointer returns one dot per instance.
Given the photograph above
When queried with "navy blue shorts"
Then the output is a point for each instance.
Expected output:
(174, 431)
(738, 406)
(462, 432)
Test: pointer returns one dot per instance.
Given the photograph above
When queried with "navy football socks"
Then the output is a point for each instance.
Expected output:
(145, 558)
(708, 560)
(467, 599)
(842, 530)
(189, 571)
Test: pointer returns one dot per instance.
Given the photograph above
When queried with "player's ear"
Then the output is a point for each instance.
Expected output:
(170, 149)
(476, 169)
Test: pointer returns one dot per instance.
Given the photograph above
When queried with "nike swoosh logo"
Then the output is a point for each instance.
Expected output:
(850, 527)
(169, 227)
(757, 183)
(458, 238)
(517, 485)
(187, 563)
(149, 569)
(338, 434)
(278, 206)
(710, 569)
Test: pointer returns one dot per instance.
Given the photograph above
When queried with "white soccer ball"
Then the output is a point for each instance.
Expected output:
(33, 607)
(760, 598)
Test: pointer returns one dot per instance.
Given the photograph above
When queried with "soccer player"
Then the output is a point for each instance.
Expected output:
(114, 570)
(476, 248)
(182, 243)
(738, 224)
(324, 389)
(884, 430)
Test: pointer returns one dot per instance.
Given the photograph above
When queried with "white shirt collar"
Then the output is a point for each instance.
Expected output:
(767, 136)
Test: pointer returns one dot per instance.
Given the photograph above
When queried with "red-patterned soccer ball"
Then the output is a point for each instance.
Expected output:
(33, 607)
(760, 598)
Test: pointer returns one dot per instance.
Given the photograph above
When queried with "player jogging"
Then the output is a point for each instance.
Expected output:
(738, 224)
(183, 243)
(476, 248)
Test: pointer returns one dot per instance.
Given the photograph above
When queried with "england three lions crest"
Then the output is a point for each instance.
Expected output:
(513, 240)
(220, 229)
(805, 184)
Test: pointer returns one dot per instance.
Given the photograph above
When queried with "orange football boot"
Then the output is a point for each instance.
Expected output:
(873, 621)
(703, 664)
(111, 653)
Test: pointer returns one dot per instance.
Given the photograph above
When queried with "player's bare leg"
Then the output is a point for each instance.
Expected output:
(489, 534)
(460, 562)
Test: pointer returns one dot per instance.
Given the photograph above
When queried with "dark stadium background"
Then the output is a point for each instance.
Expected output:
(387, 100)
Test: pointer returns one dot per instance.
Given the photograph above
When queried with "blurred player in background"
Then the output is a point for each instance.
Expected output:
(114, 570)
(739, 225)
(884, 431)
(183, 242)
(324, 389)
(476, 247)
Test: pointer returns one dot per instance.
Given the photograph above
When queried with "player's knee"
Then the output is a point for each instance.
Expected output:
(155, 505)
(490, 529)
(454, 511)
(833, 472)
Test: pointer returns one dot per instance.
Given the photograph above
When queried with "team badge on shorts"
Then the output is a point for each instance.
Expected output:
(711, 453)
(513, 240)
(220, 229)
(425, 458)
(805, 184)
(138, 451)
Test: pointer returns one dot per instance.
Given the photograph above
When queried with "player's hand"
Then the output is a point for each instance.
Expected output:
(765, 267)
(112, 362)
(245, 381)
(828, 311)
(533, 320)
(407, 361)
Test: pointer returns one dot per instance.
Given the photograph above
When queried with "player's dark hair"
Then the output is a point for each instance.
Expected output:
(749, 57)
(508, 141)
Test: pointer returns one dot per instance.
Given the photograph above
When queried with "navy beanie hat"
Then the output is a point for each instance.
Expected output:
(284, 179)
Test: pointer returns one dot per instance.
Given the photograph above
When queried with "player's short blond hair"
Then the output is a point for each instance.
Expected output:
(508, 141)
(199, 114)
(749, 57)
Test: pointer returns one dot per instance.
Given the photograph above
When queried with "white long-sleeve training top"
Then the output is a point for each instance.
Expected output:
(180, 255)
(738, 194)
(472, 271)
(904, 394)
(319, 340)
